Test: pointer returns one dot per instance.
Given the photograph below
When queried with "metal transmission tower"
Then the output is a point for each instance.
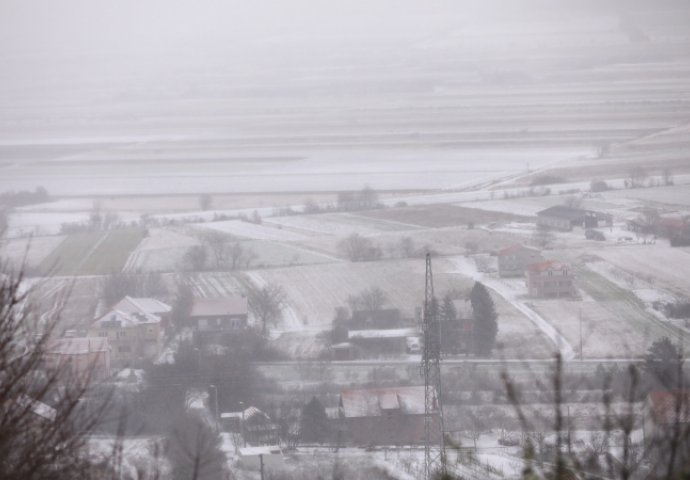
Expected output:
(434, 454)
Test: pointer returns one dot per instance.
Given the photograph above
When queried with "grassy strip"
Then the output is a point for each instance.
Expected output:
(110, 255)
(66, 258)
(92, 253)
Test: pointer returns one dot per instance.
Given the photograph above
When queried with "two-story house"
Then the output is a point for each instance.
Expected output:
(550, 279)
(212, 318)
(133, 330)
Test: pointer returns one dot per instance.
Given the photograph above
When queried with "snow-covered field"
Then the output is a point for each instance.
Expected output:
(263, 231)
(32, 250)
(658, 264)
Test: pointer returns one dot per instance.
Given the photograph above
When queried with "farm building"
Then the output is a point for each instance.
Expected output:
(381, 342)
(213, 317)
(662, 410)
(383, 416)
(147, 305)
(84, 358)
(513, 260)
(342, 351)
(256, 427)
(550, 279)
(133, 332)
(561, 217)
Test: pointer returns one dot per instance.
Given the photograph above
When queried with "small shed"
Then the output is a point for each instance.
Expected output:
(253, 457)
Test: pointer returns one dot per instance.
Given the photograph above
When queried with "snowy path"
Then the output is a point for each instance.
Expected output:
(467, 267)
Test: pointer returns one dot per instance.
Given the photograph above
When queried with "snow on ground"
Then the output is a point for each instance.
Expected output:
(161, 250)
(659, 264)
(32, 249)
(510, 291)
(340, 224)
(252, 230)
(141, 456)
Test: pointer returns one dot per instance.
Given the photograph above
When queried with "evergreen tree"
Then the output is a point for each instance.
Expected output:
(314, 426)
(663, 363)
(451, 329)
(485, 326)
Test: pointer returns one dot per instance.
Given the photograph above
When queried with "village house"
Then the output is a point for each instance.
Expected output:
(133, 331)
(255, 426)
(383, 416)
(151, 306)
(212, 318)
(513, 260)
(381, 342)
(550, 279)
(661, 411)
(561, 217)
(82, 359)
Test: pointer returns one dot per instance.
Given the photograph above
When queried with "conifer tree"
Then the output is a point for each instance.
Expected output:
(484, 314)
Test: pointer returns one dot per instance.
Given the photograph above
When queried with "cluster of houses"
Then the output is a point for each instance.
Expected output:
(131, 333)
(544, 278)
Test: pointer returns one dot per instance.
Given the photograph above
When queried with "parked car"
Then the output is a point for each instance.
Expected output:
(594, 235)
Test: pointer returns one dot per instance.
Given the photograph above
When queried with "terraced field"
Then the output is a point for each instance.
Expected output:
(92, 253)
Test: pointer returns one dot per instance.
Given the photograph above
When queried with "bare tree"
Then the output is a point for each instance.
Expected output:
(194, 258)
(369, 299)
(542, 237)
(205, 201)
(217, 243)
(43, 424)
(267, 303)
(667, 176)
(358, 248)
(636, 177)
(194, 451)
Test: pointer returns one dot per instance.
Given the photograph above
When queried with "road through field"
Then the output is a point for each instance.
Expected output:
(467, 267)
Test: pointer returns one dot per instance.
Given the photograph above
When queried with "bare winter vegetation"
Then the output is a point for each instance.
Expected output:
(356, 240)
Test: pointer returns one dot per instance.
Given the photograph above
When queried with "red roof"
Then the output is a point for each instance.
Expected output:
(547, 265)
(664, 405)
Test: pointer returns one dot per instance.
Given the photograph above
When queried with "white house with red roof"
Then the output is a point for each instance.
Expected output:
(550, 279)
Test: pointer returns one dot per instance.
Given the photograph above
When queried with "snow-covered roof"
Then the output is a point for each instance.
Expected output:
(373, 402)
(39, 408)
(144, 304)
(77, 345)
(263, 450)
(125, 319)
(132, 311)
(220, 306)
(245, 414)
(382, 333)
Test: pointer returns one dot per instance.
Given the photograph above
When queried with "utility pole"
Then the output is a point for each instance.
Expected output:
(215, 391)
(434, 453)
(580, 334)
(261, 465)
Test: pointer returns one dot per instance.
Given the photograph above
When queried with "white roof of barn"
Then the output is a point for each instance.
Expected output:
(372, 402)
(383, 333)
(149, 305)
(132, 311)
